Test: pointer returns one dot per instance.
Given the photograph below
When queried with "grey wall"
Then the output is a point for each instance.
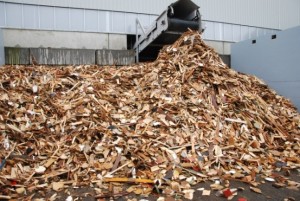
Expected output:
(276, 61)
(2, 61)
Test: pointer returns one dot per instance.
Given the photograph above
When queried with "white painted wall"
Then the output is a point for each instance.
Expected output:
(63, 39)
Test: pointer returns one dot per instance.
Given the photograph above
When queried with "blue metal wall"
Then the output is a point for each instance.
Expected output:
(25, 16)
(276, 61)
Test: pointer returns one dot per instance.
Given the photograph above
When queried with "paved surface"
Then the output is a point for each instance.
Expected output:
(269, 193)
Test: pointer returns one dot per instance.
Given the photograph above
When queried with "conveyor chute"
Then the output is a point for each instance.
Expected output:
(167, 28)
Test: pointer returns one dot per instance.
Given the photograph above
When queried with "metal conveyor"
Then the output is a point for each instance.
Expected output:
(166, 29)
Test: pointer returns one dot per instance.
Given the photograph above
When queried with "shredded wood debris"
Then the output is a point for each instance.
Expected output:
(170, 124)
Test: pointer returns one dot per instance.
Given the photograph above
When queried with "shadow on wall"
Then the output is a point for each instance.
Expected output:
(226, 59)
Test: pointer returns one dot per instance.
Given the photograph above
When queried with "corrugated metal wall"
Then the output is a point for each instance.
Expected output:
(276, 14)
(25, 16)
(261, 13)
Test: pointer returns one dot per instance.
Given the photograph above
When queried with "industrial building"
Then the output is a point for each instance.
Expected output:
(93, 24)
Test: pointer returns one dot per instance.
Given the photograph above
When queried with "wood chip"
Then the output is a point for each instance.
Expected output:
(206, 192)
(189, 194)
(57, 186)
(256, 190)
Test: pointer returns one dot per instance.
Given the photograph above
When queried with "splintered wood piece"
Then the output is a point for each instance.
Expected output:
(256, 190)
(128, 180)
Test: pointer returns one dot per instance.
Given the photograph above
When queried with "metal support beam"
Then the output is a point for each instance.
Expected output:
(138, 24)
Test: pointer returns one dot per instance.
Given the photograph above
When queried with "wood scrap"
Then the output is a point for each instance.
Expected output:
(185, 114)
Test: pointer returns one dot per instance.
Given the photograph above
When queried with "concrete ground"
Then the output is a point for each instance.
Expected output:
(269, 193)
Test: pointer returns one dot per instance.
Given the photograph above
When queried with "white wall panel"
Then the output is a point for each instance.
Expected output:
(252, 32)
(103, 21)
(218, 30)
(91, 20)
(88, 20)
(209, 32)
(130, 23)
(244, 33)
(264, 13)
(77, 19)
(276, 14)
(260, 31)
(236, 31)
(30, 16)
(46, 17)
(13, 15)
(62, 21)
(2, 14)
(117, 23)
(228, 32)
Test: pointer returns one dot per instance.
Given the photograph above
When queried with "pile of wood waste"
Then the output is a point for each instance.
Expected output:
(160, 127)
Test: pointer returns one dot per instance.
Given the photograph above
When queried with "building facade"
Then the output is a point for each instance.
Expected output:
(110, 24)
